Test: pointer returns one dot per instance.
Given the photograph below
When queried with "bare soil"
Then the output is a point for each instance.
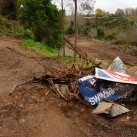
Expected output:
(104, 50)
(31, 112)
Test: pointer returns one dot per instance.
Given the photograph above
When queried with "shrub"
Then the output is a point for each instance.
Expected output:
(4, 22)
(100, 33)
(71, 29)
(27, 34)
(43, 18)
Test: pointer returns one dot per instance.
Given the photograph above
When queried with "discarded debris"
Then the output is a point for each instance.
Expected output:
(117, 66)
(111, 85)
(114, 76)
(111, 109)
(18, 85)
(63, 83)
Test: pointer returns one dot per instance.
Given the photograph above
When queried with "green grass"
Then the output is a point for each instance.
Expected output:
(5, 26)
(44, 50)
(39, 48)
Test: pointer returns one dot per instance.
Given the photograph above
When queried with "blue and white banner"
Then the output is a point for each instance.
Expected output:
(106, 85)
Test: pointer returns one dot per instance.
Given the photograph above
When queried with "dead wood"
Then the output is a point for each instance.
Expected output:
(20, 84)
(81, 53)
(63, 81)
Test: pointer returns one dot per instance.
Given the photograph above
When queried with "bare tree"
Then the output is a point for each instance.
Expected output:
(86, 6)
(83, 6)
(63, 4)
(62, 7)
(135, 11)
(130, 11)
(119, 12)
(107, 13)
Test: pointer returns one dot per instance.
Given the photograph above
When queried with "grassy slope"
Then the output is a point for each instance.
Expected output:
(13, 28)
(10, 28)
(39, 48)
(118, 30)
(44, 50)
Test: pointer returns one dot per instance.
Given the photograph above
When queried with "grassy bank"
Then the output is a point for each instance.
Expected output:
(39, 48)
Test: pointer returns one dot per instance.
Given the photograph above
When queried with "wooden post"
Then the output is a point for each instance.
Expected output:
(63, 33)
(76, 28)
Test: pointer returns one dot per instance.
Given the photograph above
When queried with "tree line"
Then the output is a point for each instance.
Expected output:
(119, 12)
(42, 17)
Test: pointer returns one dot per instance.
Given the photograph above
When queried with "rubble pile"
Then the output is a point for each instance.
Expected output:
(106, 89)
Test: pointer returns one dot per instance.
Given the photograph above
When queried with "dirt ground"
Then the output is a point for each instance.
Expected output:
(31, 112)
(107, 52)
(104, 50)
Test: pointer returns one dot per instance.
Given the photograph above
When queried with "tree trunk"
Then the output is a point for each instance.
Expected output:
(63, 45)
(76, 28)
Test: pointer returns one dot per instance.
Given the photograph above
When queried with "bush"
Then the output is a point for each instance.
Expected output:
(128, 37)
(43, 18)
(100, 33)
(27, 34)
(71, 29)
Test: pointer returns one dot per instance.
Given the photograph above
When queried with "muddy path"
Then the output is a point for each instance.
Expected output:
(31, 112)
(103, 50)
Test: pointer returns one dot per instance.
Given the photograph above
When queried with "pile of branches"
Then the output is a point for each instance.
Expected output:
(62, 81)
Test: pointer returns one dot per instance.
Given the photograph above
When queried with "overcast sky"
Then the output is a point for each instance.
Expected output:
(112, 5)
(109, 5)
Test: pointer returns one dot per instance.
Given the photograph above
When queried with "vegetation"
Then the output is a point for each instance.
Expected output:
(99, 13)
(44, 19)
(39, 48)
(45, 50)
(13, 28)
(9, 27)
(117, 29)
